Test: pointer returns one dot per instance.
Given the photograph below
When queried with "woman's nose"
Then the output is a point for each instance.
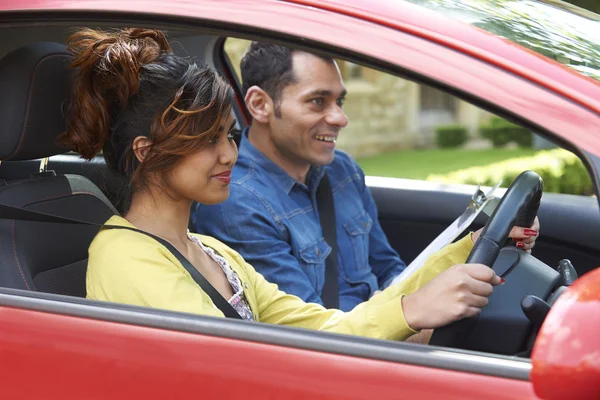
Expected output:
(228, 152)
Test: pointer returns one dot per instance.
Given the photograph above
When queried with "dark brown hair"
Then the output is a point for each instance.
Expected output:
(270, 67)
(128, 83)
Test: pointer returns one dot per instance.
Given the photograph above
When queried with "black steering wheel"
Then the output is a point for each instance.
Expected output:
(502, 326)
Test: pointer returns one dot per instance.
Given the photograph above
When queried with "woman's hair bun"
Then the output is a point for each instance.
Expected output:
(107, 67)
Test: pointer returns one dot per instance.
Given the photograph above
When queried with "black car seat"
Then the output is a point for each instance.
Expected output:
(42, 256)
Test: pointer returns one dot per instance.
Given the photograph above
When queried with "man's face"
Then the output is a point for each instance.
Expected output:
(310, 112)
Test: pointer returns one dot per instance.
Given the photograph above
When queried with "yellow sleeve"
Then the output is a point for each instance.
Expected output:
(381, 317)
(132, 270)
(438, 262)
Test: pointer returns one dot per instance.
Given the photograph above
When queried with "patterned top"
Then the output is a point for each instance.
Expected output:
(238, 300)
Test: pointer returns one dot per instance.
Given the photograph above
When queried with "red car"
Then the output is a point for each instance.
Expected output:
(54, 343)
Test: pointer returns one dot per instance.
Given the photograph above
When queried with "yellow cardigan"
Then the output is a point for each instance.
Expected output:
(132, 268)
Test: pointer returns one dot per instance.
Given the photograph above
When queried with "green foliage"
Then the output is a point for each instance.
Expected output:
(562, 172)
(448, 136)
(591, 5)
(419, 164)
(536, 25)
(501, 132)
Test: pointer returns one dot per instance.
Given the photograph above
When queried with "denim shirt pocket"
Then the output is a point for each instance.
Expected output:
(313, 258)
(358, 229)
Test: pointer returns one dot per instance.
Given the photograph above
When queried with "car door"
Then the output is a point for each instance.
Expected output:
(56, 348)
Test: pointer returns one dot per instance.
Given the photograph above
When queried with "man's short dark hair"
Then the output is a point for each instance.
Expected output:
(270, 67)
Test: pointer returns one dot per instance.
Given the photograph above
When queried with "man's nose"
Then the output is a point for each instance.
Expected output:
(337, 117)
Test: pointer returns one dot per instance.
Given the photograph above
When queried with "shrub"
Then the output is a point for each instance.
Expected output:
(562, 172)
(502, 132)
(450, 136)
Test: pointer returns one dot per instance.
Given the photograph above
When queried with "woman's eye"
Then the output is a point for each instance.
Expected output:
(233, 134)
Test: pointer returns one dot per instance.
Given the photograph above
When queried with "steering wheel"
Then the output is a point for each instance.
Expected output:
(502, 326)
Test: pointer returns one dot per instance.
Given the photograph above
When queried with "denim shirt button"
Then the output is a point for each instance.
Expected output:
(364, 225)
(318, 252)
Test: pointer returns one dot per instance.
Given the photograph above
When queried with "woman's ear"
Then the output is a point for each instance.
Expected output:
(141, 146)
(259, 104)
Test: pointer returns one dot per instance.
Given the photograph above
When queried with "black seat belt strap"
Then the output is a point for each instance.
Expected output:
(331, 293)
(10, 212)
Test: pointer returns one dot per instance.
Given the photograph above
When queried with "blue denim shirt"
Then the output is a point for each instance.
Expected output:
(273, 222)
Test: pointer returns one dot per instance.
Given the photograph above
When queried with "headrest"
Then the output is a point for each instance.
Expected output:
(34, 85)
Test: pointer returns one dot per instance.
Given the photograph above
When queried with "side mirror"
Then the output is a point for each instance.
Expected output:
(566, 354)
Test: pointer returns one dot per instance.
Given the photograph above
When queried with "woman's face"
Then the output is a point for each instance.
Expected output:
(205, 175)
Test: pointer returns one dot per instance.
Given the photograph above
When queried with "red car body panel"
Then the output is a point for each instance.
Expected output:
(69, 357)
(77, 357)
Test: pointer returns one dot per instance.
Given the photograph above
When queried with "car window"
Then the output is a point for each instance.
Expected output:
(401, 129)
(551, 29)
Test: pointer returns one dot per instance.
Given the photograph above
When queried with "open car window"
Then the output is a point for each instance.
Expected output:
(402, 129)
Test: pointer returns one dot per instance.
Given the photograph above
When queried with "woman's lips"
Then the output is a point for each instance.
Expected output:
(224, 177)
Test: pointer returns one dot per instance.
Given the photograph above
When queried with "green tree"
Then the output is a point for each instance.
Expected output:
(592, 5)
(566, 37)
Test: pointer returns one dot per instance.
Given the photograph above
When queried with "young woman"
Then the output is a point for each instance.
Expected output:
(165, 123)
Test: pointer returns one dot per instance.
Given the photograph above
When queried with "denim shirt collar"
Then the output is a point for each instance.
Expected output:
(248, 152)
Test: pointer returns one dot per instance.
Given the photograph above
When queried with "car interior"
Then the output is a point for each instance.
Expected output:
(37, 175)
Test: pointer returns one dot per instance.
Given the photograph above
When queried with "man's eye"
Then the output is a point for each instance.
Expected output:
(318, 101)
(340, 102)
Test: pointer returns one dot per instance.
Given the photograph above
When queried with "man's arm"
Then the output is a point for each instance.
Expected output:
(244, 224)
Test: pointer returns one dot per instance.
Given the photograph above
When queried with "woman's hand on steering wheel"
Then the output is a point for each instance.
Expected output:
(457, 293)
(524, 237)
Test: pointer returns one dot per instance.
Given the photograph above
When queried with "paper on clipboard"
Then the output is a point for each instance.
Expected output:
(479, 202)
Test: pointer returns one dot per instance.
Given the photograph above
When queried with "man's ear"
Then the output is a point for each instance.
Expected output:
(259, 104)
(141, 146)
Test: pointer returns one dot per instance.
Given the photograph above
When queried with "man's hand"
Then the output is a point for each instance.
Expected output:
(459, 292)
(524, 237)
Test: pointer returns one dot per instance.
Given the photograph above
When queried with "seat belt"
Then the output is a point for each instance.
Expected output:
(331, 292)
(10, 212)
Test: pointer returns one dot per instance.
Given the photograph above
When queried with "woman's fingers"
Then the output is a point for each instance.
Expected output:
(525, 237)
(523, 233)
(523, 244)
(529, 234)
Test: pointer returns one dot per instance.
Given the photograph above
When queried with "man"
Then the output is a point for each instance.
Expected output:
(295, 100)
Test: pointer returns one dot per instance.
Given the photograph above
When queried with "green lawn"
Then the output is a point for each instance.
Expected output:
(418, 164)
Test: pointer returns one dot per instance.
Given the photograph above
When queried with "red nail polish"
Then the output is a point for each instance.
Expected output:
(530, 232)
(502, 281)
(520, 245)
